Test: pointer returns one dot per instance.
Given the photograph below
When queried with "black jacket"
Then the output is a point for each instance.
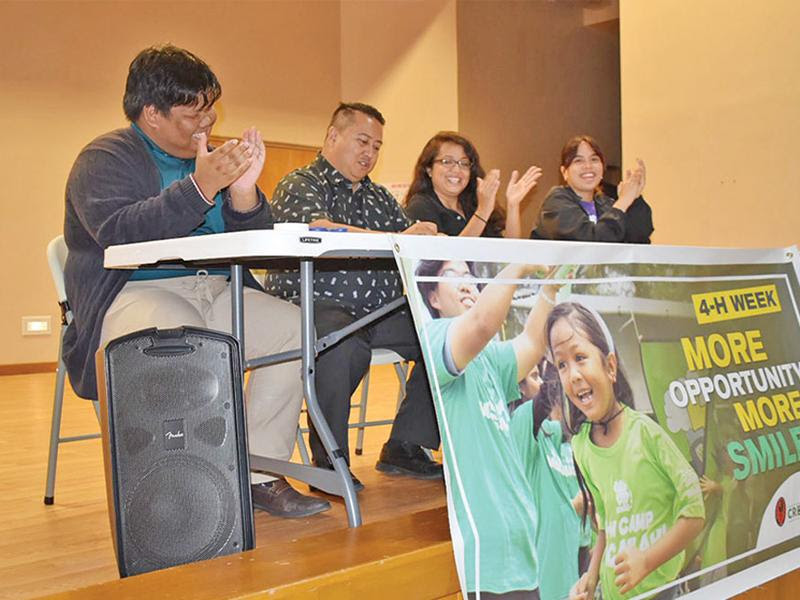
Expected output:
(563, 218)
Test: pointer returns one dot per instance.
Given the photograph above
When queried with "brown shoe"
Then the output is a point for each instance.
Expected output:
(282, 500)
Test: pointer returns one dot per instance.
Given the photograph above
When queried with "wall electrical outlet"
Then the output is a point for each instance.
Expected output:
(36, 325)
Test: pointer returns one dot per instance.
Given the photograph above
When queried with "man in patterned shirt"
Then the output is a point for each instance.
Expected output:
(335, 191)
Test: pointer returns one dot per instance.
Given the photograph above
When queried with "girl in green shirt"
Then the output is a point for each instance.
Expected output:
(536, 426)
(645, 495)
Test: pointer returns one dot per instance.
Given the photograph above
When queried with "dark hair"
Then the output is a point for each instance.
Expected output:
(431, 268)
(570, 151)
(586, 322)
(548, 397)
(540, 412)
(468, 198)
(344, 113)
(167, 76)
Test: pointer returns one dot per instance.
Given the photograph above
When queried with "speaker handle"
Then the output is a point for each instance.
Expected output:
(169, 342)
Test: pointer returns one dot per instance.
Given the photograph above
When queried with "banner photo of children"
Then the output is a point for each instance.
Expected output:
(616, 422)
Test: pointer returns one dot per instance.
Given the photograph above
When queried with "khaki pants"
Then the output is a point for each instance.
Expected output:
(274, 394)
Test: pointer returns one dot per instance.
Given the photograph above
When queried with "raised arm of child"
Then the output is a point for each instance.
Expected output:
(471, 331)
(530, 345)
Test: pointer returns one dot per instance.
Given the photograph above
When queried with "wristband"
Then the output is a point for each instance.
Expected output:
(199, 191)
(550, 300)
(475, 214)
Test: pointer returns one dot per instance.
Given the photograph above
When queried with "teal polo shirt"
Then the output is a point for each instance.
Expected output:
(172, 169)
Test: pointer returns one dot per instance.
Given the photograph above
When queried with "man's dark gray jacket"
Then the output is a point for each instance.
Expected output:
(114, 196)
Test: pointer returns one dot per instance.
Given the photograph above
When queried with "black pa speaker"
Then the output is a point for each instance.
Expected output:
(175, 447)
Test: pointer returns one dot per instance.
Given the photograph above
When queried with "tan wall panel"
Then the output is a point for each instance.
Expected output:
(402, 58)
(531, 76)
(710, 97)
(62, 75)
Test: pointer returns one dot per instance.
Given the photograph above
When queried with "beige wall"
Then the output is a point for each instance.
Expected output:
(62, 73)
(711, 99)
(283, 67)
(710, 92)
(531, 76)
(401, 57)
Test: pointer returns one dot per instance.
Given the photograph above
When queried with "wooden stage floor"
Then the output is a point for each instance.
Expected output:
(49, 549)
(54, 549)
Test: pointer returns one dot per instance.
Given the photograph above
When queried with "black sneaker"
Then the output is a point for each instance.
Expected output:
(403, 458)
(325, 464)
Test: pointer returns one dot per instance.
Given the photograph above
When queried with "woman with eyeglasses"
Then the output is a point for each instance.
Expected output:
(579, 210)
(451, 189)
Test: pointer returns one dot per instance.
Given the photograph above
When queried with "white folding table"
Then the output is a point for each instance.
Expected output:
(258, 248)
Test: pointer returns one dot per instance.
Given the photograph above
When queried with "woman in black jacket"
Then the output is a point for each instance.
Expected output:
(451, 189)
(580, 211)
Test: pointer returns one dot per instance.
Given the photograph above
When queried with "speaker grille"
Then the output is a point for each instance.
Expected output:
(212, 431)
(180, 510)
(136, 439)
(170, 375)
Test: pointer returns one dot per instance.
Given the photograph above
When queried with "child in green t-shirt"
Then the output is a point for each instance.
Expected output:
(645, 494)
(529, 387)
(537, 427)
(493, 514)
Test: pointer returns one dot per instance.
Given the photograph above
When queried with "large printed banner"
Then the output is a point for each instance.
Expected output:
(616, 421)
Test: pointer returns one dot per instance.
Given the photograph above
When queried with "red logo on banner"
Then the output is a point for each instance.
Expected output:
(780, 511)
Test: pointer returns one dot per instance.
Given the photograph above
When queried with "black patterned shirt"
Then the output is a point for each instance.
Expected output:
(319, 191)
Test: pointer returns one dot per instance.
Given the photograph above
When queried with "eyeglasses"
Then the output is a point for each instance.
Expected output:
(452, 273)
(448, 162)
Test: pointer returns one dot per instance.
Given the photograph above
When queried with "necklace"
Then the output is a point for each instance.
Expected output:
(605, 422)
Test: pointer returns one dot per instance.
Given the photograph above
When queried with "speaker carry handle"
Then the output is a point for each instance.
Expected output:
(169, 342)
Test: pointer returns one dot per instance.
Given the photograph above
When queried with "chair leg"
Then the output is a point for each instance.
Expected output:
(55, 425)
(401, 369)
(362, 413)
(301, 446)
